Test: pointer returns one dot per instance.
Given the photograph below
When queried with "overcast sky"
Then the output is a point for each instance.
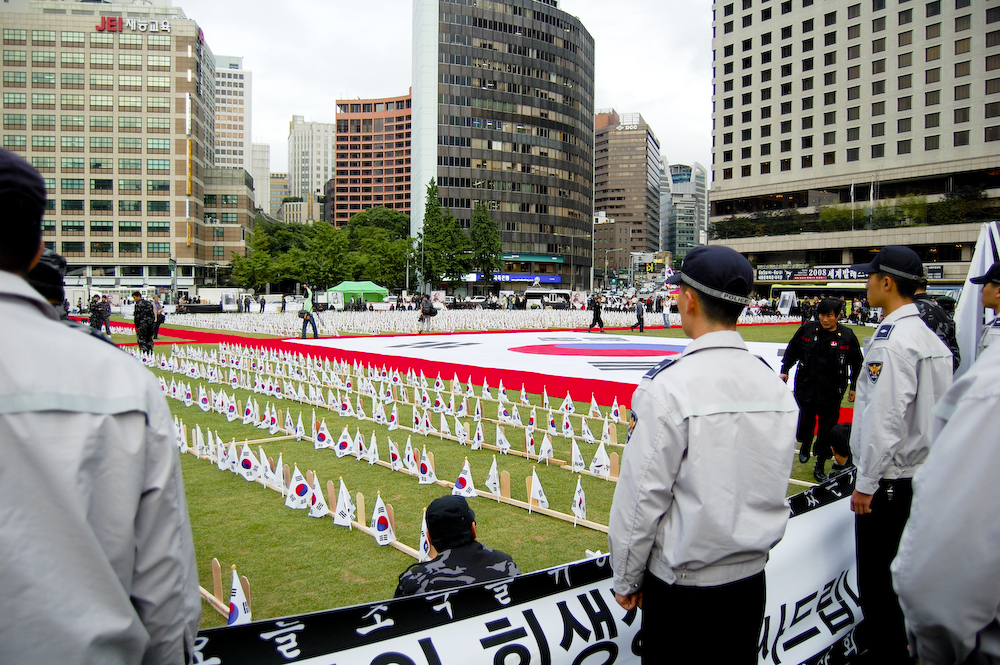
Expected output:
(652, 57)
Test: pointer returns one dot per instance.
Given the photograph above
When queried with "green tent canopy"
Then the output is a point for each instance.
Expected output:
(365, 291)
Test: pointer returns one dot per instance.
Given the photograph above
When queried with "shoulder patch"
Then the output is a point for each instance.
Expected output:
(662, 365)
(874, 369)
(761, 358)
(996, 323)
(884, 332)
(633, 420)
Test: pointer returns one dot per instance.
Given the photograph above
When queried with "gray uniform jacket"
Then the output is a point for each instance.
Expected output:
(906, 371)
(98, 563)
(947, 571)
(701, 495)
(990, 334)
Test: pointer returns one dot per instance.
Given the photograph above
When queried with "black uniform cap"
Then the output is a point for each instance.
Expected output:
(896, 260)
(992, 275)
(449, 517)
(47, 276)
(717, 271)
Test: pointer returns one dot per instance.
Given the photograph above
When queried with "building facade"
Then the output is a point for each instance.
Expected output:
(626, 185)
(279, 191)
(311, 157)
(229, 212)
(373, 158)
(260, 171)
(115, 104)
(503, 114)
(854, 114)
(686, 221)
(233, 118)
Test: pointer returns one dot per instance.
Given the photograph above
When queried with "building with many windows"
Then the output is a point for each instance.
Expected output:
(503, 95)
(260, 171)
(311, 159)
(229, 211)
(685, 215)
(626, 186)
(858, 115)
(233, 120)
(114, 104)
(279, 191)
(373, 158)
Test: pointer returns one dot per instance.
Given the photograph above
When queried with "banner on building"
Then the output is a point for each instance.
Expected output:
(568, 614)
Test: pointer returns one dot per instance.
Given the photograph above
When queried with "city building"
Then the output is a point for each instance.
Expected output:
(260, 170)
(311, 159)
(685, 224)
(229, 212)
(871, 119)
(114, 104)
(373, 158)
(291, 211)
(279, 191)
(626, 186)
(233, 118)
(503, 114)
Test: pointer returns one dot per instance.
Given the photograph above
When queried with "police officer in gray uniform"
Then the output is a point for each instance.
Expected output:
(990, 296)
(906, 371)
(947, 572)
(714, 418)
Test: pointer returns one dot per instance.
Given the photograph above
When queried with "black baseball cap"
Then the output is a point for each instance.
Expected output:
(991, 275)
(896, 260)
(449, 517)
(47, 276)
(717, 271)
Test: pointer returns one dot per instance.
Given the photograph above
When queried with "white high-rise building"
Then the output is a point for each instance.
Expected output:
(260, 171)
(311, 156)
(686, 215)
(233, 94)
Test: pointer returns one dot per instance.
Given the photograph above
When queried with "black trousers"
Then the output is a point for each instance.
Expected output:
(682, 624)
(828, 415)
(640, 321)
(877, 537)
(598, 321)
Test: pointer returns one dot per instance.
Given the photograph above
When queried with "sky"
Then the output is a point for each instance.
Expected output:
(652, 57)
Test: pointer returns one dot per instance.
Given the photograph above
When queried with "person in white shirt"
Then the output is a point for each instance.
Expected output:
(990, 296)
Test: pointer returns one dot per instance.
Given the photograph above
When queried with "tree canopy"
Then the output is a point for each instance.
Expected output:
(444, 252)
(487, 245)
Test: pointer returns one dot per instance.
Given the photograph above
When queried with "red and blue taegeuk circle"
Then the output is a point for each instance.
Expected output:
(460, 483)
(381, 523)
(301, 489)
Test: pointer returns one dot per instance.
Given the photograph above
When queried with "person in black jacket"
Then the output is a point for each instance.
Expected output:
(828, 355)
(595, 307)
(938, 320)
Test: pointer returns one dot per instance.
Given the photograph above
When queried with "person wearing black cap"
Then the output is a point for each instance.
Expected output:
(937, 319)
(990, 296)
(906, 371)
(829, 357)
(714, 416)
(109, 536)
(47, 279)
(457, 558)
(144, 317)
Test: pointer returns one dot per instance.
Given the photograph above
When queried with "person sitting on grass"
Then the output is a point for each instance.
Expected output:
(457, 558)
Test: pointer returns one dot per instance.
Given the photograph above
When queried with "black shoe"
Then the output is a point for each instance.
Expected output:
(804, 453)
(818, 473)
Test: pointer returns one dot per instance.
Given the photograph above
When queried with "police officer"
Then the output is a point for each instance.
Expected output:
(144, 317)
(47, 279)
(938, 320)
(94, 313)
(457, 558)
(990, 296)
(906, 371)
(828, 355)
(714, 416)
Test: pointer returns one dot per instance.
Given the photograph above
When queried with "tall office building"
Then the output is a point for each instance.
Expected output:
(503, 114)
(278, 191)
(233, 94)
(311, 160)
(260, 170)
(687, 220)
(373, 158)
(852, 103)
(114, 103)
(626, 185)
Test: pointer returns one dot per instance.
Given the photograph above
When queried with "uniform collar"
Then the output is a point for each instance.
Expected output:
(722, 339)
(908, 309)
(15, 286)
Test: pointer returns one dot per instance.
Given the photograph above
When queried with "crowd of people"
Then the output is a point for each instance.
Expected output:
(108, 540)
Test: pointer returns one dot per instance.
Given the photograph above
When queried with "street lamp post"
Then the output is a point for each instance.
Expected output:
(616, 249)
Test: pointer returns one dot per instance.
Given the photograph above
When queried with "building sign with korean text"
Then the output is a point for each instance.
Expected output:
(568, 615)
(120, 24)
(505, 277)
(829, 273)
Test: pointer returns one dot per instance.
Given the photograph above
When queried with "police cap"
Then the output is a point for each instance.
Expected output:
(896, 260)
(47, 276)
(991, 275)
(717, 271)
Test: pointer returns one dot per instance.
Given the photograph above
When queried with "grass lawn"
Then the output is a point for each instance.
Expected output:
(299, 564)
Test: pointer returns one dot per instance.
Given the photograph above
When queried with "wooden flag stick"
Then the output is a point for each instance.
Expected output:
(217, 581)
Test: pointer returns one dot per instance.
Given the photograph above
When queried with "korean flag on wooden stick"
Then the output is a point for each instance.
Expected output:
(493, 479)
(545, 398)
(380, 526)
(266, 472)
(317, 504)
(585, 432)
(323, 438)
(578, 463)
(464, 485)
(537, 493)
(567, 405)
(579, 502)
(203, 402)
(424, 548)
(616, 414)
(345, 507)
(395, 461)
(601, 464)
(460, 432)
(279, 475)
(501, 440)
(426, 471)
(300, 430)
(298, 491)
(239, 608)
(343, 443)
(394, 418)
(479, 437)
(372, 454)
(408, 458)
(546, 453)
(595, 411)
(249, 465)
(567, 427)
(233, 456)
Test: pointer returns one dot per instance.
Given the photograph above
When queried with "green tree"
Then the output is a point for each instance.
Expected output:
(444, 249)
(394, 221)
(379, 256)
(256, 269)
(487, 245)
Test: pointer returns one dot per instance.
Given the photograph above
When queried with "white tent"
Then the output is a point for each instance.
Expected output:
(969, 311)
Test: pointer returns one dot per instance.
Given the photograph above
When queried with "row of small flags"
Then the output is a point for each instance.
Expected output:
(306, 368)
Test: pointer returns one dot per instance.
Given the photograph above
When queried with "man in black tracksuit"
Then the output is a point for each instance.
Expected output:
(828, 355)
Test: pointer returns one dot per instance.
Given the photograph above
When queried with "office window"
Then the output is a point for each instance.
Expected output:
(963, 23)
(765, 14)
(933, 8)
(830, 18)
(829, 158)
(727, 86)
(932, 31)
(932, 97)
(853, 72)
(992, 62)
(765, 131)
(829, 39)
(786, 7)
(993, 39)
(807, 122)
(786, 108)
(807, 26)
(807, 103)
(807, 64)
(765, 112)
(854, 92)
(854, 31)
(993, 110)
(786, 32)
(786, 126)
(786, 145)
(878, 45)
(932, 53)
(853, 52)
(727, 27)
(878, 108)
(727, 174)
(932, 120)
(905, 38)
(992, 86)
(962, 91)
(961, 138)
(878, 151)
(784, 164)
(727, 138)
(786, 51)
(853, 154)
(878, 87)
(746, 135)
(878, 24)
(765, 168)
(932, 142)
(992, 133)
(904, 59)
(932, 75)
(807, 83)
(747, 116)
(748, 20)
(745, 153)
(765, 39)
(904, 103)
(829, 138)
(961, 115)
(807, 161)
(765, 57)
(765, 149)
(807, 142)
(903, 125)
(829, 98)
(904, 82)
(854, 134)
(829, 58)
(807, 45)
(727, 68)
(905, 16)
(854, 11)
(727, 51)
(830, 118)
(786, 88)
(830, 78)
(878, 129)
